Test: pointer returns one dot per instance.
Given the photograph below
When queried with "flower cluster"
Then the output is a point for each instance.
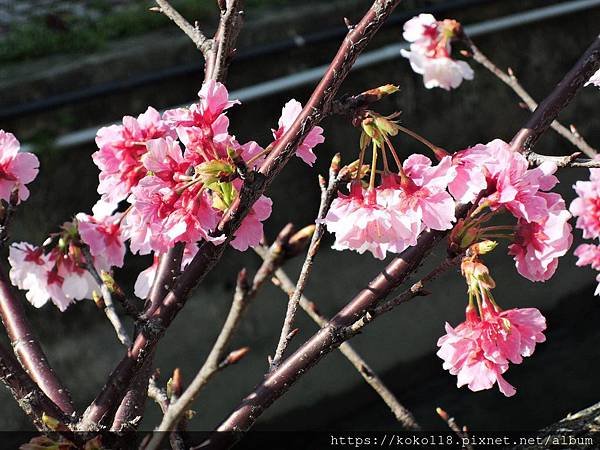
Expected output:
(16, 169)
(178, 172)
(542, 233)
(479, 350)
(430, 52)
(586, 207)
(389, 216)
(56, 271)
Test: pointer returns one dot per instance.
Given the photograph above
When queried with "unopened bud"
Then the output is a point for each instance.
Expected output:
(52, 423)
(234, 357)
(481, 248)
(335, 163)
(300, 240)
(443, 414)
(98, 300)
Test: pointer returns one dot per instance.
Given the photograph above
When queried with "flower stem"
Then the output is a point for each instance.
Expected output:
(438, 152)
(373, 167)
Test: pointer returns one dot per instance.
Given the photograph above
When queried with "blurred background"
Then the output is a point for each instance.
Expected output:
(69, 67)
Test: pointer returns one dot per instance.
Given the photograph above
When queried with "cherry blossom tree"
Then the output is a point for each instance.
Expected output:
(178, 185)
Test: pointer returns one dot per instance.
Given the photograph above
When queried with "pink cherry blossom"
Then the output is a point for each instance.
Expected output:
(443, 72)
(470, 177)
(588, 255)
(16, 168)
(360, 223)
(424, 192)
(594, 79)
(430, 52)
(289, 113)
(539, 244)
(119, 156)
(512, 184)
(250, 231)
(586, 206)
(54, 276)
(480, 349)
(103, 236)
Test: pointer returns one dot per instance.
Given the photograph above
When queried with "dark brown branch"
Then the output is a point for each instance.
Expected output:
(193, 32)
(27, 394)
(548, 110)
(460, 432)
(511, 81)
(328, 193)
(402, 414)
(254, 185)
(328, 338)
(28, 350)
(232, 16)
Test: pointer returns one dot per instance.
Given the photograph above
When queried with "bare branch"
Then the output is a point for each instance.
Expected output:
(27, 394)
(553, 104)
(193, 32)
(336, 178)
(109, 307)
(403, 415)
(460, 432)
(28, 350)
(211, 366)
(573, 160)
(224, 40)
(511, 81)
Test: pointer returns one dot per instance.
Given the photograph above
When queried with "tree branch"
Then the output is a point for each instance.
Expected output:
(27, 394)
(328, 338)
(254, 185)
(193, 32)
(28, 350)
(232, 15)
(511, 81)
(548, 110)
(336, 178)
(403, 415)
(109, 307)
(573, 160)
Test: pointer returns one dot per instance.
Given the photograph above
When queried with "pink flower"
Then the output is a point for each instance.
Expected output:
(470, 177)
(360, 223)
(167, 205)
(120, 151)
(538, 245)
(594, 79)
(480, 349)
(430, 52)
(289, 113)
(103, 237)
(586, 206)
(55, 276)
(16, 168)
(250, 231)
(425, 193)
(589, 255)
(513, 185)
(442, 71)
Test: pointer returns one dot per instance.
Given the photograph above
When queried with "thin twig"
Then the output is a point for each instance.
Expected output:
(328, 193)
(193, 32)
(109, 307)
(573, 160)
(403, 415)
(210, 367)
(159, 395)
(511, 81)
(462, 433)
(224, 40)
